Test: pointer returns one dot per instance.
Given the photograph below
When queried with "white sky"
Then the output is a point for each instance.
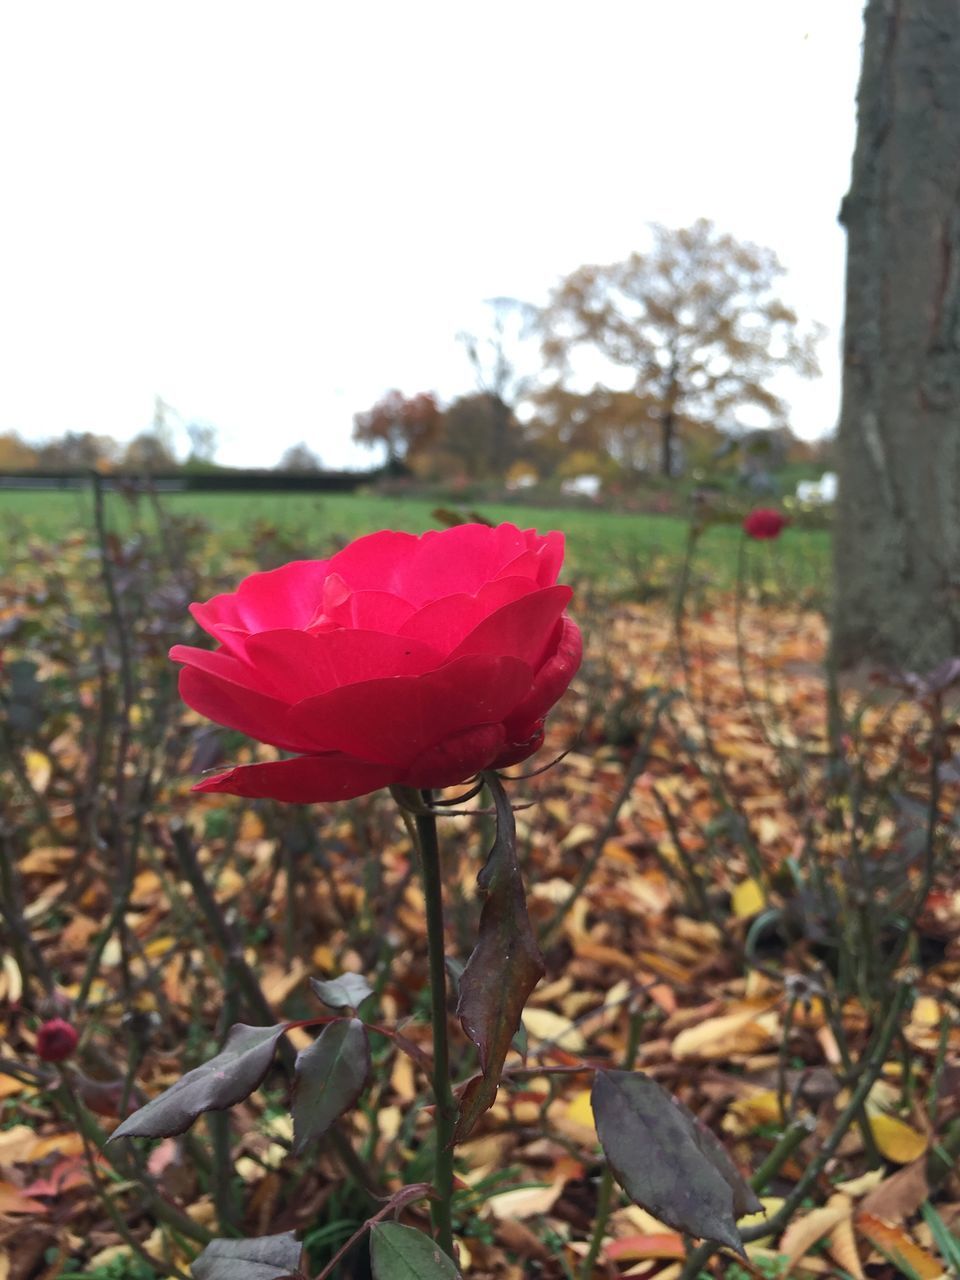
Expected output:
(270, 213)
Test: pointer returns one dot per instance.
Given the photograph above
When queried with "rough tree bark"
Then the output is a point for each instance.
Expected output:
(897, 558)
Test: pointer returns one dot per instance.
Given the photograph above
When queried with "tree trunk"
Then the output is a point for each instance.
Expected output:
(667, 434)
(897, 557)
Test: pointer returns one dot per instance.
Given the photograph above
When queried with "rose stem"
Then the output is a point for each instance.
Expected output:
(446, 1107)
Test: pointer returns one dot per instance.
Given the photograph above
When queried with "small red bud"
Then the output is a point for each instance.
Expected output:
(56, 1040)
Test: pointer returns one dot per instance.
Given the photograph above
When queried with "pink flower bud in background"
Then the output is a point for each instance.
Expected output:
(764, 523)
(56, 1040)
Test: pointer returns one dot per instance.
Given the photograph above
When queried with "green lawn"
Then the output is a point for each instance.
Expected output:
(635, 552)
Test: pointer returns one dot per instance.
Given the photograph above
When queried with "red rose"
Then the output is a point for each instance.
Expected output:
(399, 661)
(765, 522)
(56, 1040)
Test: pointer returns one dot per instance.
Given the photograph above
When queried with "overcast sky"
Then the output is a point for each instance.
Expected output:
(269, 214)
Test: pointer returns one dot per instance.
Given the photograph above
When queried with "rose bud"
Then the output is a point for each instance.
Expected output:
(764, 523)
(400, 661)
(56, 1040)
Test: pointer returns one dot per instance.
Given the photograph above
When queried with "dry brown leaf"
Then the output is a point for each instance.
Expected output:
(13, 1200)
(803, 1233)
(525, 1202)
(545, 1025)
(900, 1195)
(842, 1247)
(742, 1031)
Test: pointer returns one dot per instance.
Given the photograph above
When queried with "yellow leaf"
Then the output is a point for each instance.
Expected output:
(579, 1109)
(39, 769)
(159, 946)
(771, 1204)
(749, 1113)
(747, 899)
(896, 1140)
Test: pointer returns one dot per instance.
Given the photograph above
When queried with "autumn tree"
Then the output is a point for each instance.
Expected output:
(696, 323)
(897, 545)
(405, 426)
(478, 437)
(620, 428)
(15, 453)
(299, 457)
(149, 451)
(77, 451)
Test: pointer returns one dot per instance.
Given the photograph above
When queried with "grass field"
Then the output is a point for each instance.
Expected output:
(626, 550)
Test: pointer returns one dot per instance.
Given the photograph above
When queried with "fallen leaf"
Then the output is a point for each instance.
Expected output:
(803, 1233)
(895, 1139)
(896, 1246)
(747, 899)
(900, 1195)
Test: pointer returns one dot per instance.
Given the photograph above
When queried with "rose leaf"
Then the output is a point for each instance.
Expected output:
(266, 1258)
(503, 968)
(228, 1078)
(666, 1161)
(346, 992)
(330, 1076)
(401, 1253)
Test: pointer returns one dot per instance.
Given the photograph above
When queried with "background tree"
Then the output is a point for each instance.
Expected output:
(299, 457)
(621, 428)
(149, 451)
(78, 451)
(203, 442)
(478, 438)
(898, 450)
(15, 453)
(697, 323)
(496, 358)
(405, 426)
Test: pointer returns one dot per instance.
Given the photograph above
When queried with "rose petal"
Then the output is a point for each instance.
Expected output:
(301, 664)
(541, 561)
(550, 682)
(444, 623)
(395, 720)
(238, 707)
(284, 597)
(217, 662)
(302, 780)
(521, 629)
(441, 562)
(456, 758)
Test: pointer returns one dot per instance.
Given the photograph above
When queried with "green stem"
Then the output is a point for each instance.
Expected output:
(446, 1107)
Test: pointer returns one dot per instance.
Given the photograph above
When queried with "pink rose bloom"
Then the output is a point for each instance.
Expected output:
(401, 660)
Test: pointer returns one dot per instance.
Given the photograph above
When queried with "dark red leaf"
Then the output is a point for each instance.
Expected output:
(267, 1258)
(503, 969)
(666, 1161)
(330, 1076)
(226, 1079)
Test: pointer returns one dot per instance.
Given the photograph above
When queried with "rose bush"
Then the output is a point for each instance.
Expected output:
(401, 660)
(764, 522)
